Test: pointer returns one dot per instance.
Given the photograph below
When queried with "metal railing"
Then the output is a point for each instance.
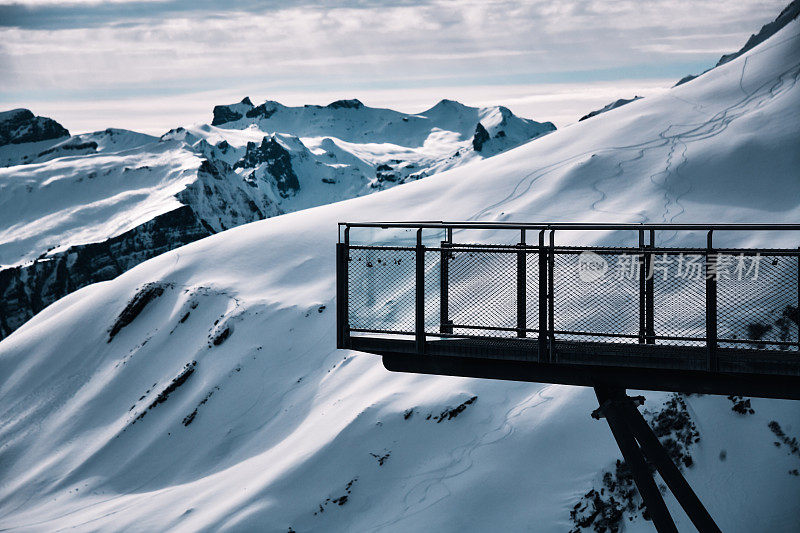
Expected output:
(544, 292)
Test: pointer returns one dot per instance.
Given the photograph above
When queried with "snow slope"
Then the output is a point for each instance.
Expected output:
(286, 433)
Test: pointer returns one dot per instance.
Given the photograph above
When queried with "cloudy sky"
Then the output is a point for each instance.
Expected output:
(152, 65)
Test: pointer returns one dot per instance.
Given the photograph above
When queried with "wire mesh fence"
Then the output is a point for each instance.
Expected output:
(622, 295)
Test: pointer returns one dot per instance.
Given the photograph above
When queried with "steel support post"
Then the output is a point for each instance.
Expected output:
(711, 304)
(522, 306)
(543, 287)
(419, 321)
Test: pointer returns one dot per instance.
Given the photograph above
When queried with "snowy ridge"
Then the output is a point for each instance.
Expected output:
(222, 405)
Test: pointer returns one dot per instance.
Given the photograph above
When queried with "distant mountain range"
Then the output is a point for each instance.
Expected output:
(79, 209)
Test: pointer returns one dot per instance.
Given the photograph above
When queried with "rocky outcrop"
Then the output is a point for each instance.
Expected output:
(480, 137)
(28, 289)
(230, 113)
(21, 126)
(613, 105)
(275, 160)
(346, 104)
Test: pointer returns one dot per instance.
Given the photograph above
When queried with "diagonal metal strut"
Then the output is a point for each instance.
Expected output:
(639, 444)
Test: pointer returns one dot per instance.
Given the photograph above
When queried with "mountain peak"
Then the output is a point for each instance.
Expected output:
(19, 126)
(346, 104)
(444, 105)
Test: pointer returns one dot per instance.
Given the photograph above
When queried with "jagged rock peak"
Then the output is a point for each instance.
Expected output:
(19, 126)
(277, 160)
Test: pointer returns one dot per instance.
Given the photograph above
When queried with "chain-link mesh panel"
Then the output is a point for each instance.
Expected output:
(532, 291)
(381, 289)
(483, 292)
(679, 297)
(433, 280)
(596, 293)
(757, 301)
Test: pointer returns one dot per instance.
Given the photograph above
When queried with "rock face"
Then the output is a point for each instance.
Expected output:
(273, 158)
(26, 290)
(230, 113)
(480, 137)
(115, 198)
(21, 126)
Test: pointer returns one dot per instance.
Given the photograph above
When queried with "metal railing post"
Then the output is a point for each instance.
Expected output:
(522, 306)
(445, 324)
(551, 299)
(342, 292)
(419, 322)
(711, 304)
(650, 293)
(642, 288)
(542, 298)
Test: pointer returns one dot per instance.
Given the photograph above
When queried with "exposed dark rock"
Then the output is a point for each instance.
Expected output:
(223, 114)
(135, 306)
(346, 104)
(188, 419)
(74, 146)
(381, 458)
(26, 290)
(262, 111)
(613, 105)
(449, 414)
(21, 126)
(278, 162)
(221, 336)
(480, 137)
(176, 382)
(341, 500)
(230, 113)
(686, 79)
(790, 442)
(741, 405)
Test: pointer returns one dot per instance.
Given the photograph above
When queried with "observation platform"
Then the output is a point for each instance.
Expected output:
(613, 305)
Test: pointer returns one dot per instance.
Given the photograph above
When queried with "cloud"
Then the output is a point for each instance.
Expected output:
(90, 51)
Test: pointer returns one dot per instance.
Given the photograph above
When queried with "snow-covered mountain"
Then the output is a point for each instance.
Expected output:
(201, 389)
(83, 209)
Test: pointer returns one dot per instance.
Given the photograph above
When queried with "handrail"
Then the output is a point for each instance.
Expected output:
(587, 226)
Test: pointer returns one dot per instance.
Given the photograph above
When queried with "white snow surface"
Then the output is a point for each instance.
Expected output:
(290, 421)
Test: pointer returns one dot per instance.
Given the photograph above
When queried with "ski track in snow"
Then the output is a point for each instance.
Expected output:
(461, 460)
(712, 127)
